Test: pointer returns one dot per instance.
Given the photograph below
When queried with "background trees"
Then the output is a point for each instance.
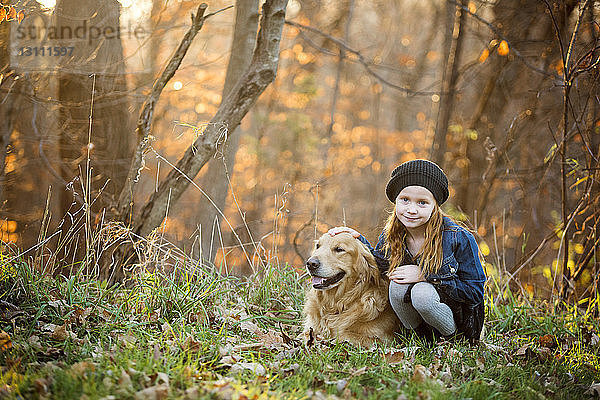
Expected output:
(361, 86)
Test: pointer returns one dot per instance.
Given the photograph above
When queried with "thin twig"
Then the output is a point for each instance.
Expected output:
(124, 205)
(361, 59)
(495, 30)
(191, 181)
(338, 74)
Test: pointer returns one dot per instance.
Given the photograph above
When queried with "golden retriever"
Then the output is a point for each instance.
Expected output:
(349, 297)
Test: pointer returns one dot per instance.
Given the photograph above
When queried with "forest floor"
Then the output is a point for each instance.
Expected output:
(210, 336)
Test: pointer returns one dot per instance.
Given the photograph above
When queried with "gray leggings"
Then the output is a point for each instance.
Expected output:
(425, 306)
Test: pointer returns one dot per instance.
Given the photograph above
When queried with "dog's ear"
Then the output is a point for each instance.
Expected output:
(368, 260)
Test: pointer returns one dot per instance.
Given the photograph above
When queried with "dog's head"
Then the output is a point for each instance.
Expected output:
(339, 259)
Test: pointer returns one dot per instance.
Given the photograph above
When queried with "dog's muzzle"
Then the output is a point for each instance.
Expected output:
(319, 282)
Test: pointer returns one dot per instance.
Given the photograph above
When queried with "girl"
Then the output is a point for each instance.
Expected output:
(433, 264)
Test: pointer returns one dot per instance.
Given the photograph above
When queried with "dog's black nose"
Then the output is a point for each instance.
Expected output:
(313, 264)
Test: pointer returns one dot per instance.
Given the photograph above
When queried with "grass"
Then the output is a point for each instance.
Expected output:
(210, 336)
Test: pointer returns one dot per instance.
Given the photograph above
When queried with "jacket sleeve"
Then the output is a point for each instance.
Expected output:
(466, 285)
(381, 257)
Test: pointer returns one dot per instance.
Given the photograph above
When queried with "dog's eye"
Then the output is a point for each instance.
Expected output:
(317, 245)
(338, 249)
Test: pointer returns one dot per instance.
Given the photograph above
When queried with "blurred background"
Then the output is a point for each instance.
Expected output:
(502, 94)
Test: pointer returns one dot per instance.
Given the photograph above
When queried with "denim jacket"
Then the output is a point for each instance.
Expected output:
(461, 276)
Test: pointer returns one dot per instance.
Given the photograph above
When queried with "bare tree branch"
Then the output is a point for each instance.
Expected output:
(258, 76)
(125, 203)
(338, 74)
(456, 35)
(361, 59)
(495, 30)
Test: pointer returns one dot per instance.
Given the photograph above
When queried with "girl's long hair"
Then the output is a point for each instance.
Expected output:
(431, 254)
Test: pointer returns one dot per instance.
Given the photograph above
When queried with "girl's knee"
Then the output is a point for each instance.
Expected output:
(423, 296)
(397, 291)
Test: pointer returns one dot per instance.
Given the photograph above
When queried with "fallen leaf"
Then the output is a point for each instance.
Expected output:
(199, 316)
(80, 368)
(222, 389)
(80, 314)
(5, 342)
(127, 340)
(446, 377)
(48, 327)
(340, 384)
(191, 345)
(420, 373)
(192, 393)
(229, 359)
(544, 354)
(9, 311)
(249, 326)
(159, 378)
(310, 337)
(51, 353)
(271, 339)
(157, 392)
(493, 347)
(60, 305)
(255, 368)
(291, 368)
(524, 351)
(60, 333)
(34, 342)
(548, 341)
(287, 339)
(410, 352)
(394, 357)
(125, 380)
(480, 362)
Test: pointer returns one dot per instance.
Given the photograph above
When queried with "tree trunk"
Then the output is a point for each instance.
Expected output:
(215, 181)
(9, 103)
(98, 65)
(23, 176)
(438, 148)
(258, 76)
(94, 117)
(515, 106)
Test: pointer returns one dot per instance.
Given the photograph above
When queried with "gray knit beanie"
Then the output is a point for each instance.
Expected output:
(418, 173)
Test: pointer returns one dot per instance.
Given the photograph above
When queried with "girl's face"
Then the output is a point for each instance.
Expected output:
(414, 206)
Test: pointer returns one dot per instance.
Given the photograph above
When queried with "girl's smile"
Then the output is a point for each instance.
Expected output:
(414, 206)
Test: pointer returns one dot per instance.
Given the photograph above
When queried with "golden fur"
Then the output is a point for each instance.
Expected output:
(356, 308)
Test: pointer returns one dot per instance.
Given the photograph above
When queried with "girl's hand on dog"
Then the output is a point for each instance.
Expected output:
(343, 229)
(409, 273)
